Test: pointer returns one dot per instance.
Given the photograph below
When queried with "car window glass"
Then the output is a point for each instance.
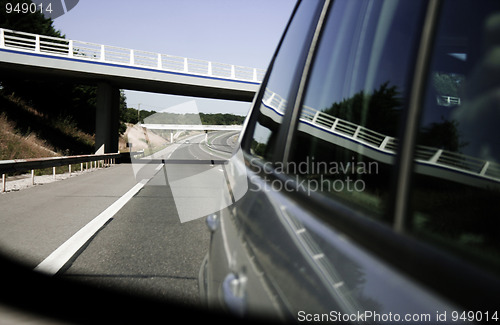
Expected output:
(274, 102)
(457, 159)
(346, 135)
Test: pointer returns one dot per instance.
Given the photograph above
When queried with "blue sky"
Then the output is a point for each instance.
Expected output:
(241, 32)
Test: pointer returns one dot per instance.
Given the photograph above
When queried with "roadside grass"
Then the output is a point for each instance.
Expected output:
(15, 146)
(27, 133)
(25, 129)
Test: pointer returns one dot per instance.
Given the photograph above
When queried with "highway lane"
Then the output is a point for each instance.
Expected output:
(36, 221)
(145, 248)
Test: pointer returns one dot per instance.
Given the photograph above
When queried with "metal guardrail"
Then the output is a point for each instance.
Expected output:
(428, 155)
(448, 101)
(24, 165)
(27, 42)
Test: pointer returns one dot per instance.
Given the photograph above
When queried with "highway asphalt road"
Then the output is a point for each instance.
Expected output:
(143, 248)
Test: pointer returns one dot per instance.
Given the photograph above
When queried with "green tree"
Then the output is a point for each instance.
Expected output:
(447, 84)
(122, 110)
(379, 111)
(443, 135)
(55, 99)
(35, 23)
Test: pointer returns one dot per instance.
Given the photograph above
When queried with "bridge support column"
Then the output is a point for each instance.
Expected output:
(107, 118)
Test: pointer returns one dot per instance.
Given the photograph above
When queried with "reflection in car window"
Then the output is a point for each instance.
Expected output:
(279, 86)
(457, 159)
(357, 90)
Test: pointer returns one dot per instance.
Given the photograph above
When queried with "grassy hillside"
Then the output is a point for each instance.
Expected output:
(27, 133)
(14, 146)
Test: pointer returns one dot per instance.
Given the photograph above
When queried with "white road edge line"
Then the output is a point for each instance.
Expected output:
(58, 258)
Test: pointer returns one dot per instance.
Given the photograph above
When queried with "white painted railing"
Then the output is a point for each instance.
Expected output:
(387, 144)
(429, 155)
(10, 39)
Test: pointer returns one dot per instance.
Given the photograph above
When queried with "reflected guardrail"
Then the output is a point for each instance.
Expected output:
(27, 42)
(430, 156)
(435, 158)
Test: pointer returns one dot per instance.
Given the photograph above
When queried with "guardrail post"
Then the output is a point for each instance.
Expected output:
(334, 125)
(37, 43)
(54, 172)
(269, 101)
(2, 38)
(356, 133)
(4, 180)
(384, 142)
(69, 169)
(484, 168)
(70, 48)
(315, 117)
(32, 177)
(102, 58)
(434, 159)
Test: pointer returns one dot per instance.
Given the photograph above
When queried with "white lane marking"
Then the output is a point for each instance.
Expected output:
(213, 152)
(55, 261)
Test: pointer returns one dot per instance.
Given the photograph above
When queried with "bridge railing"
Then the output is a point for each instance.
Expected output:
(434, 157)
(10, 39)
(429, 155)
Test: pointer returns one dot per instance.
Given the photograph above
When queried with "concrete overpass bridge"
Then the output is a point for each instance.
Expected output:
(194, 127)
(113, 68)
(190, 127)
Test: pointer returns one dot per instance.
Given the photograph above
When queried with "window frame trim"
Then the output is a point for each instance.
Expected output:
(411, 120)
(304, 80)
(294, 88)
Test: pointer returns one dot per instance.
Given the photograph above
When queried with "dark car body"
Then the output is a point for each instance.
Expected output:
(372, 159)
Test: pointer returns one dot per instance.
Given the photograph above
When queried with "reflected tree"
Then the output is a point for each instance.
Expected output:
(379, 111)
(443, 135)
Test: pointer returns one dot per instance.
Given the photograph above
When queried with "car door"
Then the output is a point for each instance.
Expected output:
(332, 223)
(327, 176)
